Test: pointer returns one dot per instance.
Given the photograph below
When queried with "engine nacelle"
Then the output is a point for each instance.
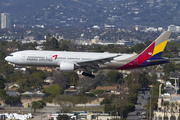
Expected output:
(67, 67)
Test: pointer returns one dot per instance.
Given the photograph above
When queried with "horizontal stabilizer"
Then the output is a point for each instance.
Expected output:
(157, 60)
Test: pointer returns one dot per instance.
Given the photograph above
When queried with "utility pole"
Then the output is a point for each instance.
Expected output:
(97, 107)
(97, 112)
(12, 110)
(150, 104)
(22, 109)
(150, 109)
(132, 71)
(116, 108)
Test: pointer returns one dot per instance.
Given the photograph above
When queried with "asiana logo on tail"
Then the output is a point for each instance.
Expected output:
(149, 53)
(55, 56)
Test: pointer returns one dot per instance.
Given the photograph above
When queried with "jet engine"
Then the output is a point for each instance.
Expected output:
(67, 67)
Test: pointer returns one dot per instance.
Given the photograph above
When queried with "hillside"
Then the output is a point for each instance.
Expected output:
(87, 13)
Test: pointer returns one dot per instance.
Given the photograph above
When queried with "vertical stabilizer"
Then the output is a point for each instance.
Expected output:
(152, 52)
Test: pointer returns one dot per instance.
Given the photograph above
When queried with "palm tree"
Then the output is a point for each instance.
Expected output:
(166, 106)
(179, 108)
(176, 104)
(172, 105)
(162, 104)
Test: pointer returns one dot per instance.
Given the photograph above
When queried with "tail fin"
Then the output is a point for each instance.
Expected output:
(152, 53)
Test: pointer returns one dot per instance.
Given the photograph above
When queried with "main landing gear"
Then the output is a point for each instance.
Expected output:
(88, 74)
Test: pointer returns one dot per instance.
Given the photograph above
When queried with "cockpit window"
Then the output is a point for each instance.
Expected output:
(10, 55)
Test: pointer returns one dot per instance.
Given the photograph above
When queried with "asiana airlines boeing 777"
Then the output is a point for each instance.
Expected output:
(91, 61)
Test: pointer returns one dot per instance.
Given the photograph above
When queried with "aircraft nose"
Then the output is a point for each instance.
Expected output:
(7, 59)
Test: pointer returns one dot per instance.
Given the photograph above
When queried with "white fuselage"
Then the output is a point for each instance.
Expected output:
(54, 58)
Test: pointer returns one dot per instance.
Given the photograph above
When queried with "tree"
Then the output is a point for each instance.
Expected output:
(64, 44)
(132, 98)
(101, 79)
(53, 90)
(106, 100)
(144, 79)
(153, 78)
(7, 70)
(38, 105)
(115, 76)
(2, 56)
(23, 81)
(83, 100)
(11, 99)
(71, 77)
(169, 67)
(172, 105)
(179, 107)
(20, 90)
(36, 82)
(138, 48)
(16, 75)
(104, 48)
(166, 106)
(54, 43)
(63, 117)
(59, 79)
(65, 102)
(120, 105)
(2, 81)
(41, 102)
(2, 92)
(38, 74)
(35, 105)
(128, 80)
(51, 44)
(48, 36)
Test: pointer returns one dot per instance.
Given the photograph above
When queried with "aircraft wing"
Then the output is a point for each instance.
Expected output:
(96, 61)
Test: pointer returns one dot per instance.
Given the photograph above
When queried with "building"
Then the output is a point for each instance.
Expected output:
(172, 28)
(5, 21)
(49, 80)
(139, 27)
(85, 116)
(12, 86)
(168, 106)
(33, 93)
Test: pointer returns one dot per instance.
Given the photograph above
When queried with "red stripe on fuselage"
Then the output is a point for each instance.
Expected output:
(146, 54)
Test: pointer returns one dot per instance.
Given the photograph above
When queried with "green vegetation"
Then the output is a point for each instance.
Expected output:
(154, 99)
(115, 77)
(11, 100)
(64, 117)
(66, 102)
(71, 78)
(38, 105)
(124, 103)
(99, 91)
(120, 104)
(104, 12)
(53, 90)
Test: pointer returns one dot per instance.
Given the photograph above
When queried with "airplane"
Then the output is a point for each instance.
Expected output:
(91, 62)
